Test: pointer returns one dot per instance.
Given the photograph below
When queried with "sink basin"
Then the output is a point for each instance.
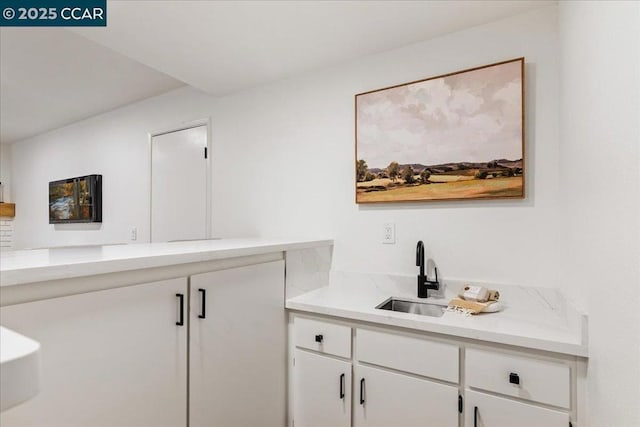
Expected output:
(413, 307)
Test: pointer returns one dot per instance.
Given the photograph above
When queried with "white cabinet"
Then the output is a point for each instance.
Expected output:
(485, 410)
(389, 398)
(532, 380)
(112, 358)
(384, 398)
(394, 392)
(322, 374)
(405, 379)
(528, 378)
(118, 358)
(409, 353)
(323, 337)
(237, 353)
(322, 390)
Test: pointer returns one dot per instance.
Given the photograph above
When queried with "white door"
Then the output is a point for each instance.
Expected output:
(322, 391)
(113, 358)
(237, 353)
(179, 185)
(383, 398)
(483, 410)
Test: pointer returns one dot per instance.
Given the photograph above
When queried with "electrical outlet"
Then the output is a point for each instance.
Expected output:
(389, 233)
(134, 233)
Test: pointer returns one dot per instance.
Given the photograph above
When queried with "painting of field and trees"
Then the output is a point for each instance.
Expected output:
(453, 137)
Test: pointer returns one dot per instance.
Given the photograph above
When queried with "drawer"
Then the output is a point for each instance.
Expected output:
(409, 354)
(325, 337)
(492, 411)
(537, 380)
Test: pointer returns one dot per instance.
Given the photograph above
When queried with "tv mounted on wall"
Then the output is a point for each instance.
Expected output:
(76, 200)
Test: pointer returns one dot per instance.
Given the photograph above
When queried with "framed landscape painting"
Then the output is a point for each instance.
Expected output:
(458, 136)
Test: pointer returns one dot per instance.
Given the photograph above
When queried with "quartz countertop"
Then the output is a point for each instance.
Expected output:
(19, 368)
(532, 317)
(28, 266)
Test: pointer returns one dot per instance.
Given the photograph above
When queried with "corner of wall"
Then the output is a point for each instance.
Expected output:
(5, 171)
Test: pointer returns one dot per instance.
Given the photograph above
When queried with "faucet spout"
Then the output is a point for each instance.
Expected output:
(424, 284)
(420, 257)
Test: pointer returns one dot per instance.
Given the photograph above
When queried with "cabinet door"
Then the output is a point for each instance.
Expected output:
(237, 353)
(112, 358)
(383, 398)
(322, 391)
(483, 410)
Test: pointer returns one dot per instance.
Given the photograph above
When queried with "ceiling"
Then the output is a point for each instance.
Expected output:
(224, 46)
(52, 77)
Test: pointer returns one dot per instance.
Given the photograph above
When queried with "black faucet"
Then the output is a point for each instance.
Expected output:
(424, 284)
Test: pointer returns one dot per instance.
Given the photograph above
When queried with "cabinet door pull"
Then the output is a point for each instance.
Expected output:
(475, 416)
(341, 386)
(362, 391)
(319, 338)
(514, 378)
(203, 303)
(180, 321)
(460, 404)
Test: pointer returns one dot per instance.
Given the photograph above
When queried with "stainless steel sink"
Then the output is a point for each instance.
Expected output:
(405, 306)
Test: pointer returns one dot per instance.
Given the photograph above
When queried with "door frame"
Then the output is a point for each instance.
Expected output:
(208, 185)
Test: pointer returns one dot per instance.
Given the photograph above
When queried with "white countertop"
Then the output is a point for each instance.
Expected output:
(28, 266)
(537, 318)
(19, 368)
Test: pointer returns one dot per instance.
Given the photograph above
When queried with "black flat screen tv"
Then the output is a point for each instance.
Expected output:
(76, 200)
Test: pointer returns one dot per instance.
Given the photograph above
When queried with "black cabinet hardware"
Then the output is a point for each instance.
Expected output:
(319, 338)
(362, 391)
(424, 284)
(514, 378)
(203, 303)
(460, 403)
(341, 386)
(180, 322)
(475, 416)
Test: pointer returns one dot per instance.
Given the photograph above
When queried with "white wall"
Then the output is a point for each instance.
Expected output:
(5, 171)
(284, 164)
(295, 143)
(115, 145)
(600, 157)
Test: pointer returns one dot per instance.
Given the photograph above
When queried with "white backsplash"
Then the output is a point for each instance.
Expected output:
(307, 269)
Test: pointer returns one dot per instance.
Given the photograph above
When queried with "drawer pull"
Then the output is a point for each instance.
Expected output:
(180, 321)
(341, 386)
(319, 338)
(203, 302)
(514, 378)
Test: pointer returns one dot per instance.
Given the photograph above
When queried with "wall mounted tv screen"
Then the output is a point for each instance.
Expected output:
(76, 200)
